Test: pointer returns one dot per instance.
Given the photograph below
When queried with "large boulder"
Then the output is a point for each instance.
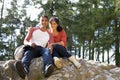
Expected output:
(89, 70)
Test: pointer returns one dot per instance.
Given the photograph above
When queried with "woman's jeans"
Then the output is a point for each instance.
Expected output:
(34, 53)
(60, 51)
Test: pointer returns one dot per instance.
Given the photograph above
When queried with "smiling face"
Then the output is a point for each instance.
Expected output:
(44, 21)
(53, 25)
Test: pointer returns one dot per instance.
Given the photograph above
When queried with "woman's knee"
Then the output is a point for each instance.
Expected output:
(56, 46)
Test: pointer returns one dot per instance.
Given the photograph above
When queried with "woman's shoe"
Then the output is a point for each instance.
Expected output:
(57, 62)
(74, 61)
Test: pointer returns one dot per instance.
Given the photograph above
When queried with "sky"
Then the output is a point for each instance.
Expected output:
(31, 10)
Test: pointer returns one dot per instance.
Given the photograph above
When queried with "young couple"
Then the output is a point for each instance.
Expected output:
(50, 44)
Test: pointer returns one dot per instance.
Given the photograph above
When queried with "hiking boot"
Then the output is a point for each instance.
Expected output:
(75, 62)
(48, 70)
(57, 62)
(20, 69)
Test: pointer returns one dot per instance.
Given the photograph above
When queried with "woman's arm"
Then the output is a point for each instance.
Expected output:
(62, 40)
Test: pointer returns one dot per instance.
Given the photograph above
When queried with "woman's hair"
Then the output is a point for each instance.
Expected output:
(59, 28)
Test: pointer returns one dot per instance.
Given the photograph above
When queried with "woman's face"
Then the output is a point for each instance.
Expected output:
(44, 21)
(53, 25)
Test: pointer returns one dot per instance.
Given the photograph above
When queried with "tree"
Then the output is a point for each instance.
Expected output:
(117, 32)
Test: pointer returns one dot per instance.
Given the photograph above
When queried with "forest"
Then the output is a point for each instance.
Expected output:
(92, 26)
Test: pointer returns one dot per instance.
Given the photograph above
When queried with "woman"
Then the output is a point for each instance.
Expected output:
(59, 45)
(37, 38)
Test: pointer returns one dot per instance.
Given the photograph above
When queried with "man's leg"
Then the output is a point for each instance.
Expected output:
(26, 60)
(48, 61)
(20, 69)
(22, 66)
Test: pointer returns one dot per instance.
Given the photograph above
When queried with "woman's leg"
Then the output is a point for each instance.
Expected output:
(60, 51)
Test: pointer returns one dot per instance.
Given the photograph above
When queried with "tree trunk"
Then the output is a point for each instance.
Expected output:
(103, 54)
(89, 49)
(83, 51)
(116, 31)
(1, 21)
(108, 56)
(79, 54)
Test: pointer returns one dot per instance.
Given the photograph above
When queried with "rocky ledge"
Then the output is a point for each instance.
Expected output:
(89, 70)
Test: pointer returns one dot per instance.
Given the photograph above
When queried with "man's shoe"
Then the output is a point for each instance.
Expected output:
(48, 70)
(20, 69)
(26, 70)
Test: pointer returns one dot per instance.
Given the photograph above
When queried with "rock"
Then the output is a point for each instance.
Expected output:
(90, 70)
(19, 52)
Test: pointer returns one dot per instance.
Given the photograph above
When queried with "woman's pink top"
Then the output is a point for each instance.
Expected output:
(61, 36)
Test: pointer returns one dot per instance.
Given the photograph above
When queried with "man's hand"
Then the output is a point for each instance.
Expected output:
(50, 46)
(33, 45)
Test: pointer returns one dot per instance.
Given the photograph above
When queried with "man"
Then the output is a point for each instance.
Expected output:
(37, 38)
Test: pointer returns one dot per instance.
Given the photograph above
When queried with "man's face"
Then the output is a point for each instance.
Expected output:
(44, 21)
